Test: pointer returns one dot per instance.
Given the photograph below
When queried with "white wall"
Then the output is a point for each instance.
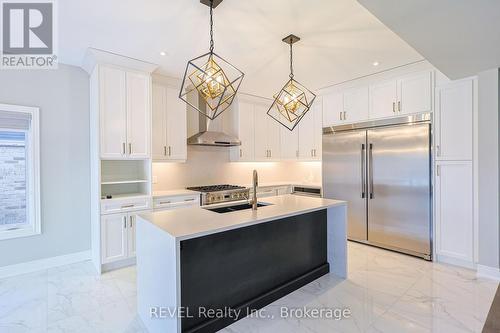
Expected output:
(488, 163)
(210, 165)
(63, 98)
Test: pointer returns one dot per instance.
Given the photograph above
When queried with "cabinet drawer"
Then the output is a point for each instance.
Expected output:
(161, 203)
(112, 206)
(266, 192)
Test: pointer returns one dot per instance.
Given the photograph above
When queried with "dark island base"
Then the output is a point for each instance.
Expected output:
(248, 268)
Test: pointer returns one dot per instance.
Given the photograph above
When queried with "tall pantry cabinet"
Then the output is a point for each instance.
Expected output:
(120, 157)
(454, 171)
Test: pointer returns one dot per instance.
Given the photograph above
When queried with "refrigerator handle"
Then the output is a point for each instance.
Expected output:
(370, 170)
(363, 171)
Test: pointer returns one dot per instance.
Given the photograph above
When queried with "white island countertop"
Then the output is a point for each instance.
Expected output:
(192, 222)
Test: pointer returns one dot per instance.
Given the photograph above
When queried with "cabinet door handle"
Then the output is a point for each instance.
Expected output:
(124, 222)
(394, 107)
(130, 148)
(340, 115)
(370, 169)
(241, 153)
(438, 150)
(127, 206)
(169, 151)
(164, 202)
(123, 149)
(363, 166)
(131, 221)
(345, 117)
(297, 153)
(270, 153)
(438, 170)
(165, 150)
(399, 106)
(314, 152)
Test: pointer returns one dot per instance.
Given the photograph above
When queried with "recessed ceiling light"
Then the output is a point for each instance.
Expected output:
(162, 53)
(376, 63)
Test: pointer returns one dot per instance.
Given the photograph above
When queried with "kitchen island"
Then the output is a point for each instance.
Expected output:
(200, 270)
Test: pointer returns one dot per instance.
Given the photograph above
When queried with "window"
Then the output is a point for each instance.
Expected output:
(19, 172)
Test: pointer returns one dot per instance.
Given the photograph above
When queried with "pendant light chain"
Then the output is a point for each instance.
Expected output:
(291, 61)
(211, 26)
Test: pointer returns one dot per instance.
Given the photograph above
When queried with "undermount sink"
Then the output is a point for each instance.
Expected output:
(235, 208)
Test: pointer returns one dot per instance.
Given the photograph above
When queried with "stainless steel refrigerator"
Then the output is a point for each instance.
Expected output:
(383, 170)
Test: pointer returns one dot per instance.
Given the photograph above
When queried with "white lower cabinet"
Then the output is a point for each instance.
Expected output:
(114, 235)
(118, 236)
(272, 191)
(454, 211)
(174, 202)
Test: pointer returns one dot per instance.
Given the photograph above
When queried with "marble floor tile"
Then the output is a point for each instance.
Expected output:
(385, 292)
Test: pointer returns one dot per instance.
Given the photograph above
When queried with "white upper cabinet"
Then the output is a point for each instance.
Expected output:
(159, 123)
(406, 95)
(125, 113)
(246, 129)
(318, 128)
(113, 115)
(355, 105)
(267, 135)
(138, 115)
(306, 135)
(290, 143)
(176, 125)
(169, 124)
(333, 108)
(310, 131)
(265, 139)
(453, 120)
(415, 93)
(383, 99)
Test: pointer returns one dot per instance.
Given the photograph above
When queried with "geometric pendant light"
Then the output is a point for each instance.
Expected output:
(214, 79)
(293, 101)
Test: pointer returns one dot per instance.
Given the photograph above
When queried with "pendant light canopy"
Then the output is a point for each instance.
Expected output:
(214, 79)
(294, 100)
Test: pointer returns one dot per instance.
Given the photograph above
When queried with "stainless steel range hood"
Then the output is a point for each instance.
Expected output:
(208, 137)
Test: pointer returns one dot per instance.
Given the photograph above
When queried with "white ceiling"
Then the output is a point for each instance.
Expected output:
(459, 37)
(340, 38)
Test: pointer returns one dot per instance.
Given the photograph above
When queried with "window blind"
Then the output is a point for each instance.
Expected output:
(15, 120)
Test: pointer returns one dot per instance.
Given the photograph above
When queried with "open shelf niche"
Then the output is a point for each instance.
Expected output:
(124, 178)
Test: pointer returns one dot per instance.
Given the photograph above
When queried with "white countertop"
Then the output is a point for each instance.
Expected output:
(186, 223)
(178, 192)
(285, 183)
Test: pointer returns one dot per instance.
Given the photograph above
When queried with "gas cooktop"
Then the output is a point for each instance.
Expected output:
(215, 188)
(215, 194)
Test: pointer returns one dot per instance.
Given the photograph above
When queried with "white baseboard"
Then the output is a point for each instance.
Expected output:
(488, 272)
(454, 261)
(37, 265)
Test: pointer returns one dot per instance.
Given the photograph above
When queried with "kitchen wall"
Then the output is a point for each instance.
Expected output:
(488, 164)
(211, 165)
(63, 98)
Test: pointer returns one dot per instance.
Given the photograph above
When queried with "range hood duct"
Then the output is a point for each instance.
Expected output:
(206, 137)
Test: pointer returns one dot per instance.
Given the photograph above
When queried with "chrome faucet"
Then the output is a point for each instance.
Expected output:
(255, 184)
